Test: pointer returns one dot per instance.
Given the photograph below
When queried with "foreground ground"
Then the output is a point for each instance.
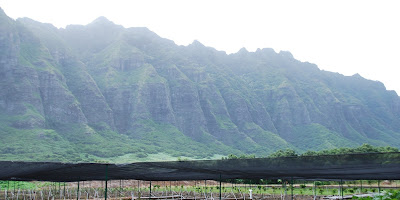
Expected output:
(133, 189)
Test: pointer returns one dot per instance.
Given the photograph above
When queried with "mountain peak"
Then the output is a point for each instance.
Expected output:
(2, 13)
(243, 50)
(357, 75)
(102, 20)
(4, 19)
(197, 43)
(286, 54)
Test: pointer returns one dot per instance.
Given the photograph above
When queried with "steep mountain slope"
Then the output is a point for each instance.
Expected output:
(101, 90)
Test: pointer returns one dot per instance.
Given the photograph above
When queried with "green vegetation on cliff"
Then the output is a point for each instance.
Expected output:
(102, 92)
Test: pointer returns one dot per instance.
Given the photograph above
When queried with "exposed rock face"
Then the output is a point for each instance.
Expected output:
(19, 82)
(103, 77)
(60, 106)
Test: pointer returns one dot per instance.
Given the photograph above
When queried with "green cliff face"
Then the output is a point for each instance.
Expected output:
(104, 92)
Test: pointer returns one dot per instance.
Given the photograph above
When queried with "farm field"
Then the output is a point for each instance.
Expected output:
(134, 189)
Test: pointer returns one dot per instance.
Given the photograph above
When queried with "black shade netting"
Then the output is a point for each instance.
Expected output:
(374, 166)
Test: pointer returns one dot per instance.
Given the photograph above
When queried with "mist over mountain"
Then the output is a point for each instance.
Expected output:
(105, 92)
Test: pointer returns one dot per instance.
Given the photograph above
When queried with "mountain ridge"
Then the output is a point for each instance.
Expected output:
(101, 90)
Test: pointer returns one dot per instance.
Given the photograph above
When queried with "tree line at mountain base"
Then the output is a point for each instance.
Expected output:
(365, 148)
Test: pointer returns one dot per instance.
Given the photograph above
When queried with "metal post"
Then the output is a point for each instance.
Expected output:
(361, 186)
(105, 191)
(120, 188)
(220, 190)
(379, 188)
(291, 188)
(64, 190)
(205, 188)
(150, 191)
(77, 192)
(314, 189)
(284, 186)
(341, 187)
(83, 185)
(59, 187)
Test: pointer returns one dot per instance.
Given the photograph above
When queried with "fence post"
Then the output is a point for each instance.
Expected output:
(291, 187)
(341, 187)
(105, 191)
(77, 192)
(220, 189)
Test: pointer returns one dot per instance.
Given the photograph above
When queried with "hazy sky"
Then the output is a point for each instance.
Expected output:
(346, 36)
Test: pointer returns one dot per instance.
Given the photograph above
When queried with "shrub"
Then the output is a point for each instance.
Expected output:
(141, 155)
(373, 189)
